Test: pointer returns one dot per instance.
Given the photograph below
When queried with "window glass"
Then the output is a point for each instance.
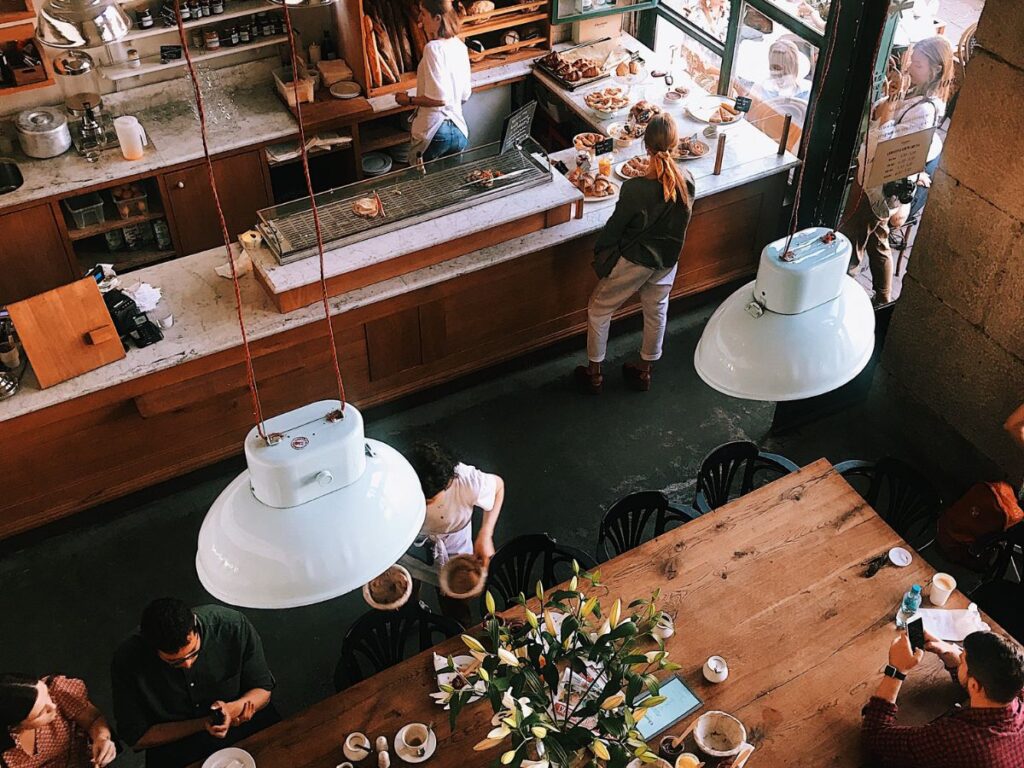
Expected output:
(710, 15)
(703, 64)
(813, 13)
(775, 69)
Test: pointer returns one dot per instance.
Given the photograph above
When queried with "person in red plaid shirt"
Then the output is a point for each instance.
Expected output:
(989, 733)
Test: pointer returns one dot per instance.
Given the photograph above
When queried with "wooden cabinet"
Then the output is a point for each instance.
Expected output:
(33, 258)
(241, 186)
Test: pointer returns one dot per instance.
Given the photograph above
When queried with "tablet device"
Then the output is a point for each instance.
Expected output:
(679, 702)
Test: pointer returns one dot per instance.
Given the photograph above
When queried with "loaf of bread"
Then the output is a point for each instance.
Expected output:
(480, 6)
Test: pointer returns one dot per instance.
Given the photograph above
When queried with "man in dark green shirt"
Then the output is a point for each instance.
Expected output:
(190, 682)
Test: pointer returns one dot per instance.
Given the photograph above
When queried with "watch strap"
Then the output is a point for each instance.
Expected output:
(891, 671)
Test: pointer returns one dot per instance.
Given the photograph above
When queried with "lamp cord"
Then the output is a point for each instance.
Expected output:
(304, 154)
(254, 394)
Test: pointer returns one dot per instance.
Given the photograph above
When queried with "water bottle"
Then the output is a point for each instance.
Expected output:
(911, 602)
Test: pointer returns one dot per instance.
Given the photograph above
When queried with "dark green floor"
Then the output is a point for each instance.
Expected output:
(69, 596)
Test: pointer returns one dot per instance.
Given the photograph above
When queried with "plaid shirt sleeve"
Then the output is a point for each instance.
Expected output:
(902, 745)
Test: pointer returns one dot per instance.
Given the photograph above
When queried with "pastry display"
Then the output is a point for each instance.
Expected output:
(690, 147)
(635, 167)
(367, 207)
(480, 6)
(587, 140)
(622, 70)
(642, 112)
(591, 185)
(483, 178)
(393, 40)
(572, 70)
(607, 100)
(726, 113)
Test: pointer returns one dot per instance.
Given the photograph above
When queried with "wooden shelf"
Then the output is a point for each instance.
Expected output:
(505, 22)
(125, 260)
(152, 64)
(12, 11)
(19, 33)
(238, 8)
(511, 49)
(376, 137)
(113, 222)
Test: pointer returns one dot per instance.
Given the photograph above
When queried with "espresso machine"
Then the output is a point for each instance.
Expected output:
(92, 130)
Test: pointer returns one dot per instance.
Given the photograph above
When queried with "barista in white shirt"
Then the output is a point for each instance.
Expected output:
(443, 84)
(453, 490)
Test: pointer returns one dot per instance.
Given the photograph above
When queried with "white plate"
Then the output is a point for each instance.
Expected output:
(376, 163)
(702, 109)
(607, 199)
(346, 89)
(621, 175)
(445, 678)
(222, 758)
(898, 556)
(408, 756)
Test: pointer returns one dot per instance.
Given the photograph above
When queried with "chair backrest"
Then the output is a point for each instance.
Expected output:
(900, 494)
(632, 520)
(519, 564)
(381, 639)
(1005, 553)
(965, 47)
(742, 460)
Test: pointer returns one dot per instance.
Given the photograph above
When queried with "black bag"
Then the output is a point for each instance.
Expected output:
(604, 261)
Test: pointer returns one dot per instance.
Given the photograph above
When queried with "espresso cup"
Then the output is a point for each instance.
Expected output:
(942, 587)
(414, 739)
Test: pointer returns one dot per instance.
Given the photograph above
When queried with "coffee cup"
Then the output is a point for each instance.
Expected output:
(942, 587)
(716, 670)
(413, 739)
(664, 628)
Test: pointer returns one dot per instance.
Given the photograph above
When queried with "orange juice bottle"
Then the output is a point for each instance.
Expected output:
(604, 165)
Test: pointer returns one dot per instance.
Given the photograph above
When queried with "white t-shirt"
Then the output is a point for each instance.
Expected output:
(454, 510)
(443, 75)
(920, 114)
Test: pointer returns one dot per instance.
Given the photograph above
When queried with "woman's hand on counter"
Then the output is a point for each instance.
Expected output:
(403, 99)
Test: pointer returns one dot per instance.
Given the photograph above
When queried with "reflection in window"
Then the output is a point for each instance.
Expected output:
(710, 15)
(813, 13)
(775, 69)
(703, 64)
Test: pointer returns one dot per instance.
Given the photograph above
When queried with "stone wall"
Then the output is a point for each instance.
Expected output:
(956, 344)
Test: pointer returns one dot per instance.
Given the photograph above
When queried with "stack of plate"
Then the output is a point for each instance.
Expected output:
(376, 163)
(400, 153)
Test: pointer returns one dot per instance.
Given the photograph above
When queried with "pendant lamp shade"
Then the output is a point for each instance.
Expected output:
(303, 3)
(318, 513)
(82, 23)
(801, 329)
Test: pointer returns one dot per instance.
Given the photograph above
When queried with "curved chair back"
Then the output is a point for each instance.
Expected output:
(734, 469)
(381, 639)
(634, 519)
(520, 563)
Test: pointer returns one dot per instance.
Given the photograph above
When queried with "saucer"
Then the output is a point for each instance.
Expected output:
(222, 758)
(406, 755)
(898, 556)
(356, 755)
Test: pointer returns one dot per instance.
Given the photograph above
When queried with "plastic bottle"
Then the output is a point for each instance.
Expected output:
(911, 603)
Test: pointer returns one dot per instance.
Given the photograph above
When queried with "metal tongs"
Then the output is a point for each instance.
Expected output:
(493, 180)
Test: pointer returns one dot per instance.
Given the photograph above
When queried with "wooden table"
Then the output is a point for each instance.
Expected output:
(773, 582)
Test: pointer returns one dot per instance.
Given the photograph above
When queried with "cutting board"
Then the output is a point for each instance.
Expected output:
(66, 331)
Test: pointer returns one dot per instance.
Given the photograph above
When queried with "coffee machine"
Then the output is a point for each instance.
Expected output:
(92, 130)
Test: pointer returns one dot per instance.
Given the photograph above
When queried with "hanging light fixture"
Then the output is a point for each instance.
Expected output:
(320, 511)
(303, 3)
(82, 23)
(802, 328)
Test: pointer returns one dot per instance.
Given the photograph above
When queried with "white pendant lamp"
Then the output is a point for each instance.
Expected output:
(801, 329)
(82, 23)
(320, 511)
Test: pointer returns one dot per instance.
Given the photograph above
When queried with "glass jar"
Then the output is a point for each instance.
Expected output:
(206, 7)
(195, 9)
(217, 6)
(198, 39)
(235, 37)
(144, 18)
(186, 14)
(212, 39)
(134, 60)
(244, 35)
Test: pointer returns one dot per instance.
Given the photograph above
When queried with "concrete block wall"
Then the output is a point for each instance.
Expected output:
(956, 343)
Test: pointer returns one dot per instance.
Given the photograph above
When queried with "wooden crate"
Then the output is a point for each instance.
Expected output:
(25, 79)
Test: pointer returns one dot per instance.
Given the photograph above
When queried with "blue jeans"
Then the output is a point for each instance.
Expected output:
(448, 140)
(921, 193)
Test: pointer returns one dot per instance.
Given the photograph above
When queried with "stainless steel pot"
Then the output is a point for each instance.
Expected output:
(43, 132)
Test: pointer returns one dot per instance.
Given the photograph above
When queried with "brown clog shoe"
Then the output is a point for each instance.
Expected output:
(587, 382)
(636, 378)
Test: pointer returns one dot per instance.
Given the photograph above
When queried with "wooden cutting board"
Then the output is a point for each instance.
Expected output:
(66, 331)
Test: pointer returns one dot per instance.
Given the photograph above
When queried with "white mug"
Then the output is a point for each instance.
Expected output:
(414, 739)
(131, 137)
(942, 587)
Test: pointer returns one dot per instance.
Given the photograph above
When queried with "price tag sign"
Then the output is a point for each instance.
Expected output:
(743, 104)
(169, 52)
(604, 146)
(517, 127)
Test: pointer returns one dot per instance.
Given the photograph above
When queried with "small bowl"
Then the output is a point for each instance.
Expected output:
(445, 575)
(357, 746)
(395, 604)
(672, 98)
(715, 728)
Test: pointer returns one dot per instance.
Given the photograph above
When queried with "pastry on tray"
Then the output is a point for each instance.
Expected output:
(690, 146)
(635, 167)
(591, 185)
(366, 207)
(726, 113)
(482, 177)
(642, 112)
(586, 140)
(607, 99)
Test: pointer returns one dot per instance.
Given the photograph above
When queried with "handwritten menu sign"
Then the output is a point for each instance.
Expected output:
(517, 127)
(899, 157)
(604, 146)
(743, 104)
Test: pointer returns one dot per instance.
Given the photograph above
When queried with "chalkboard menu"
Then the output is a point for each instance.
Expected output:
(743, 104)
(517, 127)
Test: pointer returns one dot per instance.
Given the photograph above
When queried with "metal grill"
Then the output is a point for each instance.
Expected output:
(409, 199)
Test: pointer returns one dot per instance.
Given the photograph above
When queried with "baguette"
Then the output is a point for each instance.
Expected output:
(387, 68)
(374, 75)
(387, 54)
(419, 39)
(729, 108)
(387, 15)
(402, 32)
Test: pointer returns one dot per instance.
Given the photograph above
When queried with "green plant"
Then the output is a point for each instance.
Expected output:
(570, 683)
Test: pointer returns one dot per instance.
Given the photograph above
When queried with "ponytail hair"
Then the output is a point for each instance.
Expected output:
(451, 24)
(660, 139)
(18, 694)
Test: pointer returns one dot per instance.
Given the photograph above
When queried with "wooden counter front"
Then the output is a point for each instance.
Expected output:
(97, 447)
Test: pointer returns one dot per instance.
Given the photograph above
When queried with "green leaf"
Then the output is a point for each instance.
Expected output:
(652, 685)
(671, 666)
(653, 701)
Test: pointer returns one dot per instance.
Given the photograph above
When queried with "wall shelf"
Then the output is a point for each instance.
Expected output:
(238, 8)
(152, 64)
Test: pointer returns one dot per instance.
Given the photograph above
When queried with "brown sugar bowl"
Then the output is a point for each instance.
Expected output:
(463, 576)
(389, 591)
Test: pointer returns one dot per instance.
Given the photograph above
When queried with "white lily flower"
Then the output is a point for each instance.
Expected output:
(508, 657)
(499, 733)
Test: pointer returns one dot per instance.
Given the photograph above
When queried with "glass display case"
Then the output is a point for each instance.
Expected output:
(564, 11)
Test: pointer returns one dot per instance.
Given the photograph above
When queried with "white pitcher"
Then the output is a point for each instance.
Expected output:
(131, 137)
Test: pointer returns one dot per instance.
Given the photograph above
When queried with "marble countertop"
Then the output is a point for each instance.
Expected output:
(242, 109)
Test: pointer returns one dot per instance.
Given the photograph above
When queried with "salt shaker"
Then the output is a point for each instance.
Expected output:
(382, 743)
(383, 760)
(715, 669)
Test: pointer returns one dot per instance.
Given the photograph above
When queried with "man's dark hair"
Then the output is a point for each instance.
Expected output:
(434, 466)
(166, 624)
(997, 664)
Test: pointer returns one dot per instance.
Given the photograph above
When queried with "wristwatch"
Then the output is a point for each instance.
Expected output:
(891, 671)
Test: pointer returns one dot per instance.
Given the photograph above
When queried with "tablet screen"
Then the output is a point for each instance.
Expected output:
(680, 701)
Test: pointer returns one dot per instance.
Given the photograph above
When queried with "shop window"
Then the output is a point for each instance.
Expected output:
(712, 16)
(703, 64)
(813, 13)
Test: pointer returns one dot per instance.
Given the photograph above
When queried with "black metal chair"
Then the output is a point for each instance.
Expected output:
(626, 524)
(519, 564)
(899, 493)
(1001, 592)
(381, 639)
(719, 469)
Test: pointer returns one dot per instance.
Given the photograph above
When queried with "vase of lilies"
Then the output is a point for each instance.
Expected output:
(568, 684)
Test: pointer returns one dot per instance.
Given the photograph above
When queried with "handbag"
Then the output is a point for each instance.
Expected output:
(605, 260)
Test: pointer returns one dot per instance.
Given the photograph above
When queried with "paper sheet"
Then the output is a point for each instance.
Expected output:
(953, 625)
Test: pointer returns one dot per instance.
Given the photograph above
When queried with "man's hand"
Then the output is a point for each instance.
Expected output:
(902, 656)
(103, 752)
(484, 548)
(219, 731)
(240, 711)
(948, 652)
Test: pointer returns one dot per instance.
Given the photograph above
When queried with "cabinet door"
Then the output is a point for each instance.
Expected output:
(242, 189)
(33, 258)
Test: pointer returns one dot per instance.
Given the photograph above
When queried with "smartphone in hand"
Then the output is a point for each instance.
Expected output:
(915, 629)
(217, 717)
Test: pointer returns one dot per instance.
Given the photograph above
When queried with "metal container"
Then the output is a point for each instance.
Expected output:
(43, 132)
(79, 79)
